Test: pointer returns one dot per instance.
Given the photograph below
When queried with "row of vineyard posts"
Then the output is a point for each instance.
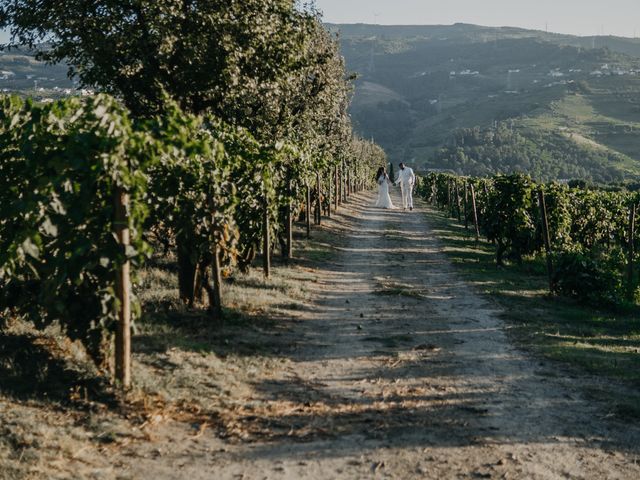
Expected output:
(588, 236)
(231, 123)
(85, 191)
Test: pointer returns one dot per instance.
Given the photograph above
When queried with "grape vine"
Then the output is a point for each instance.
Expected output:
(593, 245)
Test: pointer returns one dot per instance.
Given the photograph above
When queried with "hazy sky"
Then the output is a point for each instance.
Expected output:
(579, 17)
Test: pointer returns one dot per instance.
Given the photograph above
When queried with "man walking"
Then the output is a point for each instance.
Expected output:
(406, 179)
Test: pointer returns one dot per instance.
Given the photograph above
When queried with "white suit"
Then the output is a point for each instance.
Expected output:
(406, 179)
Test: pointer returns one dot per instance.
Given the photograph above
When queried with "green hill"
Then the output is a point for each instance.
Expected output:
(21, 73)
(419, 87)
(574, 101)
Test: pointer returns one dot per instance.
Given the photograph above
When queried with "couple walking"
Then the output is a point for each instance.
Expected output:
(406, 179)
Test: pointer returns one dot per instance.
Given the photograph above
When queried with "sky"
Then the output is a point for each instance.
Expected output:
(577, 17)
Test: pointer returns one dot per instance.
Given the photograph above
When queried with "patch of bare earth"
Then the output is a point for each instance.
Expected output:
(379, 362)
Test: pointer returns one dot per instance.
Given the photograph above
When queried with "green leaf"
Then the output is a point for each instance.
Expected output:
(31, 248)
(49, 228)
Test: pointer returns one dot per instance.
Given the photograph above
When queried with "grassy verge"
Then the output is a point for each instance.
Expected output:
(603, 343)
(58, 414)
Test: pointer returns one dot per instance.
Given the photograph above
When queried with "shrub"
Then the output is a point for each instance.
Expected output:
(589, 277)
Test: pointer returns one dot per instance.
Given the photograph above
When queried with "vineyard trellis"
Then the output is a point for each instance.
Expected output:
(215, 161)
(84, 188)
(588, 236)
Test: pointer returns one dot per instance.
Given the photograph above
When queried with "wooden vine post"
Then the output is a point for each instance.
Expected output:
(289, 220)
(466, 205)
(344, 183)
(547, 238)
(475, 212)
(336, 197)
(631, 252)
(434, 192)
(123, 290)
(340, 181)
(329, 196)
(266, 237)
(459, 209)
(449, 202)
(308, 211)
(215, 302)
(318, 200)
(452, 203)
(214, 289)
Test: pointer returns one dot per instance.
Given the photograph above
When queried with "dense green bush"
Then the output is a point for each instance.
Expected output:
(588, 230)
(593, 278)
(510, 217)
(217, 135)
(59, 168)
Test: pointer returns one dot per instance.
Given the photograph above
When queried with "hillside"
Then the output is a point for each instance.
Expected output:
(21, 73)
(418, 86)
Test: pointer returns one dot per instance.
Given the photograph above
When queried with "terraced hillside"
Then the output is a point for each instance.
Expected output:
(418, 86)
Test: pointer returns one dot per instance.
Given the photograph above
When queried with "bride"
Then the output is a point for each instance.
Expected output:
(384, 200)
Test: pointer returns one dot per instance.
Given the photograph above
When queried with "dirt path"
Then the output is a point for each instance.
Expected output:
(402, 371)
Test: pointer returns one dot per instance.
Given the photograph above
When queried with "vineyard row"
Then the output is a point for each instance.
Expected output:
(588, 236)
(86, 191)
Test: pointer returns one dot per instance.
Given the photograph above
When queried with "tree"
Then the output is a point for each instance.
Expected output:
(261, 65)
(216, 56)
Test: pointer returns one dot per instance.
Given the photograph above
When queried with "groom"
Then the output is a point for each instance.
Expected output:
(406, 179)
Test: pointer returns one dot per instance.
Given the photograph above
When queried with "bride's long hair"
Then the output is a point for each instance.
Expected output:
(381, 171)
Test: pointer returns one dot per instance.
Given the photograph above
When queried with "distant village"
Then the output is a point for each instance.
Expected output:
(554, 77)
(42, 89)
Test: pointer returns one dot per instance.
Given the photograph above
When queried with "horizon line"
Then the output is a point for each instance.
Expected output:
(476, 25)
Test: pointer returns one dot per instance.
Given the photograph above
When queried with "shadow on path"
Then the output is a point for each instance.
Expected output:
(402, 352)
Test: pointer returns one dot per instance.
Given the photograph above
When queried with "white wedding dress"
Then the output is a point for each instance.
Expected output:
(384, 199)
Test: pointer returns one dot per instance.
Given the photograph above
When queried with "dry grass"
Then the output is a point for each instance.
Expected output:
(186, 368)
(385, 287)
(601, 342)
